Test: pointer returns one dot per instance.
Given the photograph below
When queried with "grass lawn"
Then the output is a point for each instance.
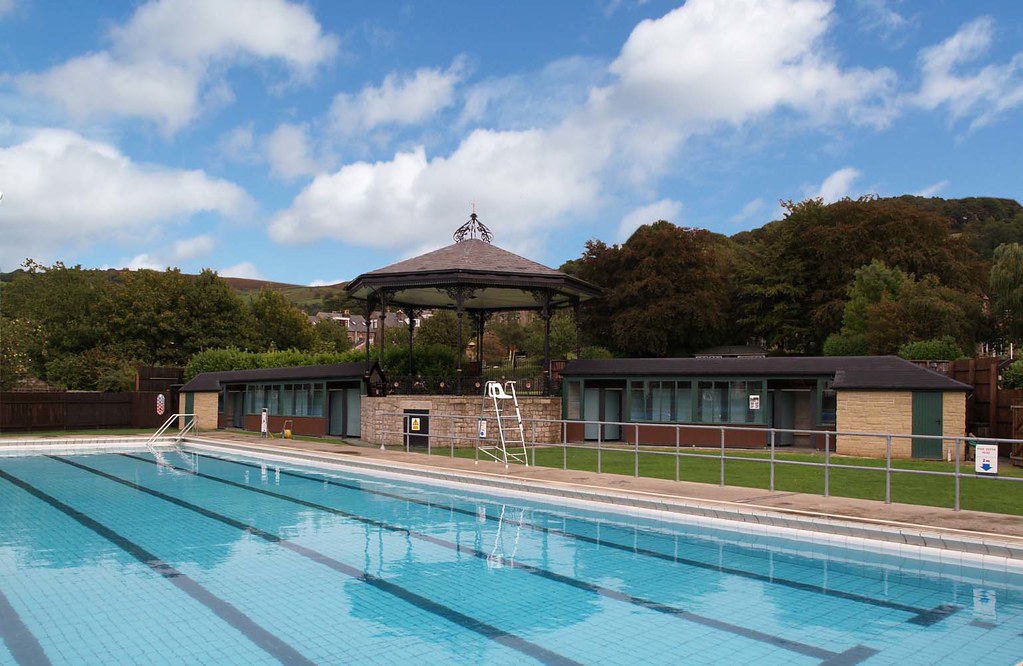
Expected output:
(751, 469)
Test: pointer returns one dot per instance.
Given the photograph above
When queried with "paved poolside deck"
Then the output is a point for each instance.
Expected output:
(996, 534)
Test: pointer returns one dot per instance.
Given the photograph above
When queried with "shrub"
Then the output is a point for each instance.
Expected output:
(1012, 376)
(850, 344)
(938, 349)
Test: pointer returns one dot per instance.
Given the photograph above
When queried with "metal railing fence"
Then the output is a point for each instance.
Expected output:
(394, 427)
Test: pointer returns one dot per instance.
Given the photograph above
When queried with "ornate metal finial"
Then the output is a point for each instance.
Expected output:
(471, 228)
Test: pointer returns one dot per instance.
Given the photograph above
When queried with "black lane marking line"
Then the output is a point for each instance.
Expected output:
(18, 637)
(922, 616)
(223, 609)
(746, 632)
(853, 655)
(495, 634)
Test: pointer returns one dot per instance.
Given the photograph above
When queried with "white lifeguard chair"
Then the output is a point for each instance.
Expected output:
(505, 405)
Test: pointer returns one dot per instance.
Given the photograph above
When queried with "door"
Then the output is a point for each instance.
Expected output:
(591, 411)
(612, 412)
(353, 412)
(927, 420)
(239, 410)
(336, 425)
(784, 416)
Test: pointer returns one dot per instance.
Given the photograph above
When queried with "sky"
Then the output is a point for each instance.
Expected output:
(311, 142)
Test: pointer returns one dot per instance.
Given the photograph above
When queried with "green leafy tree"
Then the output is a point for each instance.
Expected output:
(1007, 290)
(938, 349)
(667, 290)
(279, 324)
(1012, 376)
(509, 332)
(562, 342)
(15, 359)
(442, 329)
(331, 336)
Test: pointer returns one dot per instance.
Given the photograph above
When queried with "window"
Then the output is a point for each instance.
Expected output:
(829, 404)
(713, 402)
(684, 400)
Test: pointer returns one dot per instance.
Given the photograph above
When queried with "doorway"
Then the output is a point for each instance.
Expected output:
(603, 404)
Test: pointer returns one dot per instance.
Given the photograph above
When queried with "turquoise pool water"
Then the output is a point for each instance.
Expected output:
(111, 558)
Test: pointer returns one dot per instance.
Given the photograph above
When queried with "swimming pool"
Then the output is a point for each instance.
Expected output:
(111, 558)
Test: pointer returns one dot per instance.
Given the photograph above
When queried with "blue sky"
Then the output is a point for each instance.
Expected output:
(311, 142)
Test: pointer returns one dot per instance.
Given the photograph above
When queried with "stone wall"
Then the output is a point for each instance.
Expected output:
(455, 419)
(204, 406)
(891, 412)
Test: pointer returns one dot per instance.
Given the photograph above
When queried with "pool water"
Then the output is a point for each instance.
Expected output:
(112, 558)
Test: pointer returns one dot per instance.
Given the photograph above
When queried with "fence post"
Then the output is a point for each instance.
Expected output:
(533, 443)
(564, 444)
(600, 437)
(772, 460)
(636, 470)
(678, 453)
(380, 429)
(827, 463)
(454, 428)
(722, 428)
(888, 472)
(959, 441)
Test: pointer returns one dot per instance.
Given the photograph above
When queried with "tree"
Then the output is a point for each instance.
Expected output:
(1006, 281)
(509, 332)
(279, 324)
(944, 349)
(442, 329)
(15, 359)
(331, 336)
(667, 290)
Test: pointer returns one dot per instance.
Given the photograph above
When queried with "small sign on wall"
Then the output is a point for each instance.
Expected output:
(754, 402)
(483, 429)
(161, 404)
(264, 423)
(415, 424)
(987, 459)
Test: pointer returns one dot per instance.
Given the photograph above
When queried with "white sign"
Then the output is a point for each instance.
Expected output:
(264, 424)
(483, 428)
(754, 402)
(987, 459)
(415, 424)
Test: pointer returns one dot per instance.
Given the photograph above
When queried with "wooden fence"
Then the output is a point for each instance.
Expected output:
(82, 409)
(989, 408)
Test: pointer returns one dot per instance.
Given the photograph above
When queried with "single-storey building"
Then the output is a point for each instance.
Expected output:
(854, 397)
(317, 399)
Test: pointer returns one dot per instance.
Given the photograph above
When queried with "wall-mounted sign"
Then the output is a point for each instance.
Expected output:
(987, 459)
(161, 404)
(414, 426)
(483, 428)
(264, 422)
(754, 402)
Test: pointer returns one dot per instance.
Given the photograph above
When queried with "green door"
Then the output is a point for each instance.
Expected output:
(189, 403)
(927, 410)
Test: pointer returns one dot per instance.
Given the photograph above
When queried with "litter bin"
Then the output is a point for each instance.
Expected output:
(416, 427)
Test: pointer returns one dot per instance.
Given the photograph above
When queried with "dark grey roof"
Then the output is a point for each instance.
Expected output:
(214, 381)
(501, 280)
(848, 372)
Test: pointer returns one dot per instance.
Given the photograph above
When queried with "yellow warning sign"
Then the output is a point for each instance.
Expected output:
(414, 427)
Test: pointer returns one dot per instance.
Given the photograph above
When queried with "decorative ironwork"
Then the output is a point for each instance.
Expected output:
(471, 228)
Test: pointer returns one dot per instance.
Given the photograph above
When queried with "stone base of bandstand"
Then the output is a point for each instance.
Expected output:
(455, 419)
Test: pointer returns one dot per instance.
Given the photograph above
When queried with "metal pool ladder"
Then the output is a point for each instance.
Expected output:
(188, 427)
(509, 424)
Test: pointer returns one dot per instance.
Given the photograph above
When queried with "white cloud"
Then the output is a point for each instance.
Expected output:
(164, 62)
(665, 209)
(98, 84)
(533, 178)
(880, 16)
(144, 261)
(289, 153)
(245, 269)
(749, 211)
(933, 189)
(708, 65)
(326, 283)
(239, 145)
(190, 248)
(64, 190)
(984, 94)
(399, 100)
(837, 185)
(6, 7)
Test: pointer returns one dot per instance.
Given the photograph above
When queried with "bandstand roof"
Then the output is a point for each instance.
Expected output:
(487, 277)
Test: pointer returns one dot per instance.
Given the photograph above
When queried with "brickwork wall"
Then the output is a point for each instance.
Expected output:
(892, 412)
(455, 418)
(204, 407)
